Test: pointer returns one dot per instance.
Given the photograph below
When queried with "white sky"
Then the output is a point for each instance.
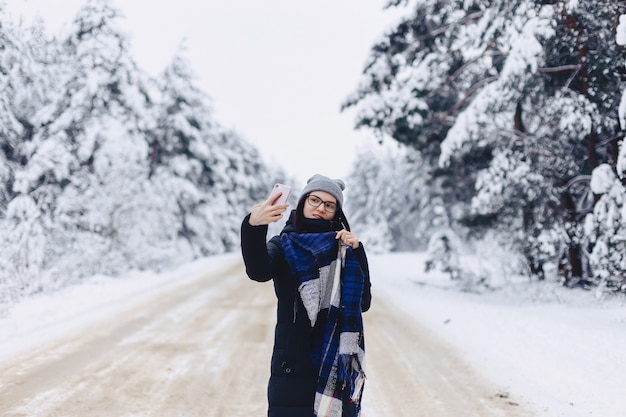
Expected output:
(277, 70)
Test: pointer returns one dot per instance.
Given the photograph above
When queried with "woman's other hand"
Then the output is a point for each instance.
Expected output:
(265, 213)
(348, 238)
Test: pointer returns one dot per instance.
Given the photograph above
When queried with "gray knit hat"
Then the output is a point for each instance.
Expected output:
(321, 183)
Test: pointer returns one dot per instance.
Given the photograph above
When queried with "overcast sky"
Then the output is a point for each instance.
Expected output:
(277, 70)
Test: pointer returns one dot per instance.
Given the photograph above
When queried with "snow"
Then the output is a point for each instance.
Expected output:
(602, 179)
(620, 31)
(558, 349)
(621, 40)
(43, 317)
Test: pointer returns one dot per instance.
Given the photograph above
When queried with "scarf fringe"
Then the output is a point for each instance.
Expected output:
(351, 376)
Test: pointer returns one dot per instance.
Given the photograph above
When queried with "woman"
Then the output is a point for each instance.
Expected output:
(321, 280)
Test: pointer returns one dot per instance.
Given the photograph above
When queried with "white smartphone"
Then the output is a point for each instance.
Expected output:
(281, 188)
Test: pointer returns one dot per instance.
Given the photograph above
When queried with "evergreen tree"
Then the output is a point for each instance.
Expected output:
(388, 200)
(21, 95)
(512, 104)
(605, 230)
(13, 56)
(87, 159)
(367, 180)
(579, 87)
(104, 169)
(209, 173)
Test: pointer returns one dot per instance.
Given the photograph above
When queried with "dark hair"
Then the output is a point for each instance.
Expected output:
(298, 216)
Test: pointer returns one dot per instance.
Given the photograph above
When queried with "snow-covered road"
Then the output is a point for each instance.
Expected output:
(202, 348)
(186, 351)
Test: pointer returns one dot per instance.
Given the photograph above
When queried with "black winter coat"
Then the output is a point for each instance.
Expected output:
(293, 378)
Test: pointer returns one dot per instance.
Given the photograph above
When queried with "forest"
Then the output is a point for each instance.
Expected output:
(511, 115)
(503, 123)
(104, 169)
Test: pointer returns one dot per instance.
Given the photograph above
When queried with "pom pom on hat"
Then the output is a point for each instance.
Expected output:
(321, 183)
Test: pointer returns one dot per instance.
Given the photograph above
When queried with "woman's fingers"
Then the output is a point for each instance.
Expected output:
(348, 238)
(264, 213)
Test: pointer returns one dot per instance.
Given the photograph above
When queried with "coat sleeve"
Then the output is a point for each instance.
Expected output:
(366, 300)
(259, 256)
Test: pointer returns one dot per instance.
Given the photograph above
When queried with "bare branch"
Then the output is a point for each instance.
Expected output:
(561, 68)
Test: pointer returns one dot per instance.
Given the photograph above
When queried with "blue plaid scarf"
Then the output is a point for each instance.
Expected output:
(319, 261)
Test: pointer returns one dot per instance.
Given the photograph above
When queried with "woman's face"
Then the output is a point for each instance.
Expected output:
(321, 211)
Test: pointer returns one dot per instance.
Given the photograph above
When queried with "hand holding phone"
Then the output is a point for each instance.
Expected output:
(262, 213)
(280, 188)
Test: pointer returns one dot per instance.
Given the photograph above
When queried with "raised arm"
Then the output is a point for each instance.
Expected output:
(254, 238)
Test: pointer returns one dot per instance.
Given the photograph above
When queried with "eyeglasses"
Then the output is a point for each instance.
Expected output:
(315, 201)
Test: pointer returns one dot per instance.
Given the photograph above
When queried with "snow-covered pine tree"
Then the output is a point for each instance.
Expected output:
(581, 88)
(10, 128)
(105, 169)
(515, 102)
(438, 83)
(564, 126)
(87, 159)
(20, 224)
(606, 231)
(606, 226)
(367, 180)
(387, 199)
(208, 173)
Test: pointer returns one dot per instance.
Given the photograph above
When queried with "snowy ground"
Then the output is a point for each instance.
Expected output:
(561, 350)
(44, 317)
